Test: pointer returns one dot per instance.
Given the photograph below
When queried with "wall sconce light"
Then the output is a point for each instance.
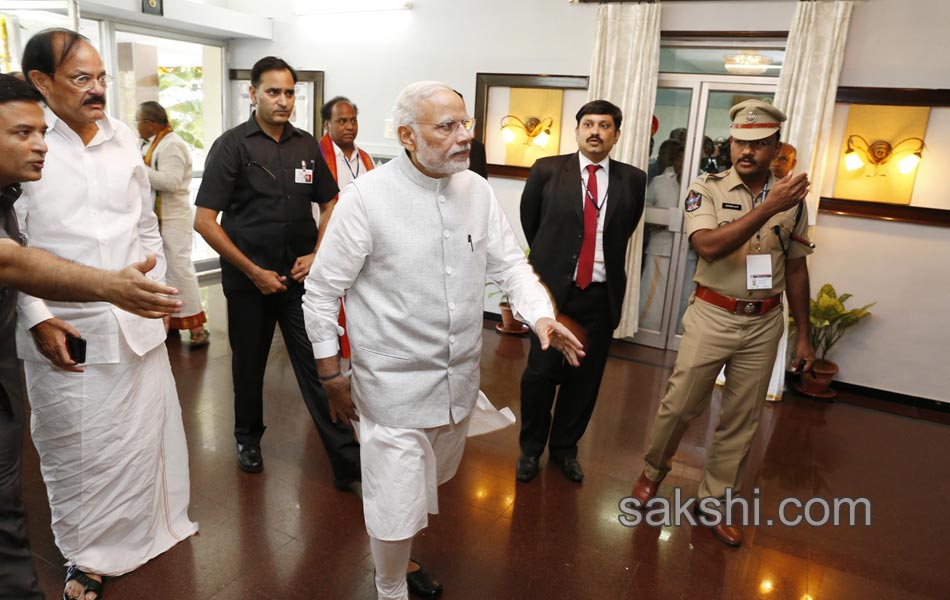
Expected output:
(536, 131)
(880, 152)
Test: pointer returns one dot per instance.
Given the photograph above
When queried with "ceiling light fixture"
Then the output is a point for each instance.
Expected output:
(747, 62)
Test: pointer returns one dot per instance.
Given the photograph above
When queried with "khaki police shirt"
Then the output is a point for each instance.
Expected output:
(717, 199)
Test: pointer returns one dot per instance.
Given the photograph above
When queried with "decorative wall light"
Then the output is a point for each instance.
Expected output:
(880, 152)
(536, 131)
(747, 62)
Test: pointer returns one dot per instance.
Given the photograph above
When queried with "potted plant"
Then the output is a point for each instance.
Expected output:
(509, 324)
(828, 322)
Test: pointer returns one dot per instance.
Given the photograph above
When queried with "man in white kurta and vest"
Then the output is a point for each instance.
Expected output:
(168, 159)
(346, 162)
(412, 244)
(109, 434)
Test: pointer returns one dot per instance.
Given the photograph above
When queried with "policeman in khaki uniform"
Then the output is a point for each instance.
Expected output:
(748, 229)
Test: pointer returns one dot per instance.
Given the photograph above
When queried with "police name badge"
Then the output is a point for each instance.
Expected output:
(758, 269)
(303, 176)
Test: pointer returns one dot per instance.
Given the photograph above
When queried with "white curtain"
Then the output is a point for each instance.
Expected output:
(809, 82)
(624, 70)
(806, 92)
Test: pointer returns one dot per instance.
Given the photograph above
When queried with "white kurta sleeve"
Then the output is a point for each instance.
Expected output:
(510, 270)
(345, 246)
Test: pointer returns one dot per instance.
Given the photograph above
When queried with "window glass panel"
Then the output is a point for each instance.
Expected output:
(761, 61)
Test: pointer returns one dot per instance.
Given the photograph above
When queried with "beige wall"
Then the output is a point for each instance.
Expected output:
(892, 43)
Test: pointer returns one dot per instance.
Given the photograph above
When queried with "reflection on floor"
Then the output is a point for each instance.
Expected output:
(286, 533)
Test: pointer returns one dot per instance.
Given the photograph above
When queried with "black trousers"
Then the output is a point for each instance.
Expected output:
(17, 574)
(548, 377)
(251, 320)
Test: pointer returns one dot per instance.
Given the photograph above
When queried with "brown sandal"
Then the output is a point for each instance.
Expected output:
(200, 339)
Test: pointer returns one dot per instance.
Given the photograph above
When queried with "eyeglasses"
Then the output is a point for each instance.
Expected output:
(754, 144)
(85, 83)
(447, 128)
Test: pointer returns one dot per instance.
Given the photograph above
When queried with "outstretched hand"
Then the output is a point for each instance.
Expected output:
(130, 290)
(553, 334)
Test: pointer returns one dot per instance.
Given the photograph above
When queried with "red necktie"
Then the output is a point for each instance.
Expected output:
(585, 264)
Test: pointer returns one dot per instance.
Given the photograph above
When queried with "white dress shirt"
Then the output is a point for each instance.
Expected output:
(603, 179)
(93, 206)
(348, 169)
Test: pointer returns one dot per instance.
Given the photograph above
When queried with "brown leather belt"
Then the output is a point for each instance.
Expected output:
(737, 306)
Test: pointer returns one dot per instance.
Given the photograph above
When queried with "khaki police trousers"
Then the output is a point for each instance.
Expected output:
(712, 337)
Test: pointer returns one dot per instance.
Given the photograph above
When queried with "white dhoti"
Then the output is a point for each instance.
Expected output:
(402, 470)
(178, 241)
(113, 456)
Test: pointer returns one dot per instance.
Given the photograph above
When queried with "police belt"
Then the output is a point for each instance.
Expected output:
(737, 306)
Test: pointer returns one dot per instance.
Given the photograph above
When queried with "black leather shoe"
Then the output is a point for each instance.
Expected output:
(347, 485)
(570, 468)
(249, 458)
(423, 584)
(527, 468)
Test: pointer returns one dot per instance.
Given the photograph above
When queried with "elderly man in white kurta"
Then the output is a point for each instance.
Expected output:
(411, 244)
(168, 160)
(109, 433)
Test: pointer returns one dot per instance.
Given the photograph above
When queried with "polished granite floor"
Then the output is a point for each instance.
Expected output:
(287, 534)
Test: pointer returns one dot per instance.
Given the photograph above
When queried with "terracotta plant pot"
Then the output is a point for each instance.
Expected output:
(509, 324)
(817, 382)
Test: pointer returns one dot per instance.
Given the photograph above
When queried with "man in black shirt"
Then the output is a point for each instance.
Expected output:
(264, 176)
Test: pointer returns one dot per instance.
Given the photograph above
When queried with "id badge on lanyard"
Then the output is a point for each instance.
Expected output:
(303, 174)
(758, 271)
(758, 267)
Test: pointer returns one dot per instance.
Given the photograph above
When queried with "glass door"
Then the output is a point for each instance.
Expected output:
(186, 76)
(685, 105)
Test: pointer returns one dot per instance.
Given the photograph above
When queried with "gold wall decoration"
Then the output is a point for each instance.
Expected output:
(877, 142)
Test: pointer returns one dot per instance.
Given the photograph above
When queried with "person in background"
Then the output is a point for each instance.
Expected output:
(168, 160)
(785, 162)
(578, 212)
(264, 176)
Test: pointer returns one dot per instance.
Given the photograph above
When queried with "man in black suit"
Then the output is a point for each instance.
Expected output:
(578, 212)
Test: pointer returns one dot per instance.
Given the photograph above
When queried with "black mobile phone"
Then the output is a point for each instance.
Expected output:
(76, 346)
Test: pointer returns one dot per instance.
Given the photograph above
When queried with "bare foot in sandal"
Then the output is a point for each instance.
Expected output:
(82, 586)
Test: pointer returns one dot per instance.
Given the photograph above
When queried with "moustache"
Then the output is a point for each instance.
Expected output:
(594, 137)
(94, 100)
